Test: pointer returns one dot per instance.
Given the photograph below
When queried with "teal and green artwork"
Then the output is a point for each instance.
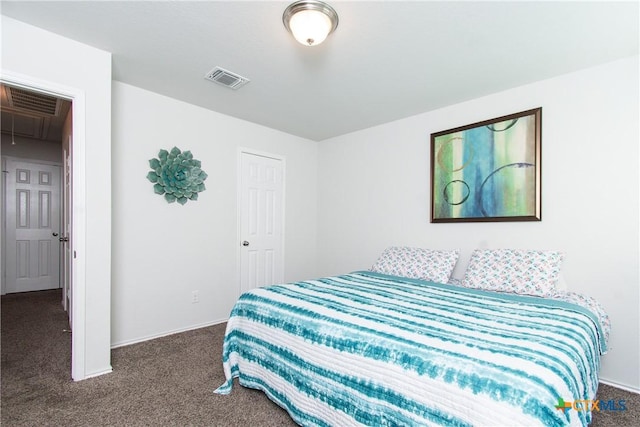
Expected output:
(177, 175)
(488, 171)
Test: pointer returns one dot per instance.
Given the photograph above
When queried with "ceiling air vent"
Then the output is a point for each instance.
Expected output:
(33, 102)
(226, 78)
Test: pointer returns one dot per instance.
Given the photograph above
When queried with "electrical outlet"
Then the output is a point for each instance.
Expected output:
(195, 297)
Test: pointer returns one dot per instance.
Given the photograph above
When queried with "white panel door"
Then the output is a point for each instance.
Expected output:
(261, 221)
(32, 226)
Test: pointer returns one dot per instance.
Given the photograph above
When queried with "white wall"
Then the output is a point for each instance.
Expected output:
(162, 252)
(42, 57)
(374, 192)
(29, 148)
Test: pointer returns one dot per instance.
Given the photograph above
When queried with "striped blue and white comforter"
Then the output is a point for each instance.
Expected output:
(370, 349)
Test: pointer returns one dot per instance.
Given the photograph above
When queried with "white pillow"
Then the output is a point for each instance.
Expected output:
(417, 263)
(562, 283)
(527, 272)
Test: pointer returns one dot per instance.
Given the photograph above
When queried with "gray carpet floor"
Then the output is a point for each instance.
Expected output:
(168, 381)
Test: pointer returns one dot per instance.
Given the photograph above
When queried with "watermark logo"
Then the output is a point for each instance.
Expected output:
(562, 405)
(591, 405)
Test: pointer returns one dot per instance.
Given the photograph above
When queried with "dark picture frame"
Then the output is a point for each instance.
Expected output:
(488, 171)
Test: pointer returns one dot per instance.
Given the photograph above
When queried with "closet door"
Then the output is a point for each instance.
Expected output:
(261, 220)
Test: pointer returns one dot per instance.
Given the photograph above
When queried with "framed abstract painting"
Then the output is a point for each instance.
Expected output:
(488, 171)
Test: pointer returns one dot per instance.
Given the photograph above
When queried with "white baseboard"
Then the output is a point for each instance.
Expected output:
(164, 334)
(97, 374)
(621, 386)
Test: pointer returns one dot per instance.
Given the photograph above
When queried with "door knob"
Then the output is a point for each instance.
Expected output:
(55, 234)
(245, 243)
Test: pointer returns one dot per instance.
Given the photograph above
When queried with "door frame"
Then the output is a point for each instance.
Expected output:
(65, 225)
(78, 206)
(250, 151)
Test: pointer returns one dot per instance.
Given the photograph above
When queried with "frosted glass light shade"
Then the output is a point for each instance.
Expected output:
(310, 27)
(310, 22)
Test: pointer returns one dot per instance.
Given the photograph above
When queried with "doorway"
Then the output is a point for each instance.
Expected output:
(36, 135)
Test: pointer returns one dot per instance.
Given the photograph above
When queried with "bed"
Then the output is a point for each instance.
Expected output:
(369, 348)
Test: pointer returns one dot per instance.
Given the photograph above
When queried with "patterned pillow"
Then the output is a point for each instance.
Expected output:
(510, 270)
(417, 263)
(589, 303)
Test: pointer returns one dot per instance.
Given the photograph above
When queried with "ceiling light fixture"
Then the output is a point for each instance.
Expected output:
(310, 21)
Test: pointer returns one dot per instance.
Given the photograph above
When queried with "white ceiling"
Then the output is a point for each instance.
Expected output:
(387, 59)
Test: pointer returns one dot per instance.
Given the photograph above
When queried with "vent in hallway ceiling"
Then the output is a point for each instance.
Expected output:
(33, 102)
(226, 78)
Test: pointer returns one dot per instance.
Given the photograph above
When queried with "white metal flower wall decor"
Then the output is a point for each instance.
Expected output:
(177, 175)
